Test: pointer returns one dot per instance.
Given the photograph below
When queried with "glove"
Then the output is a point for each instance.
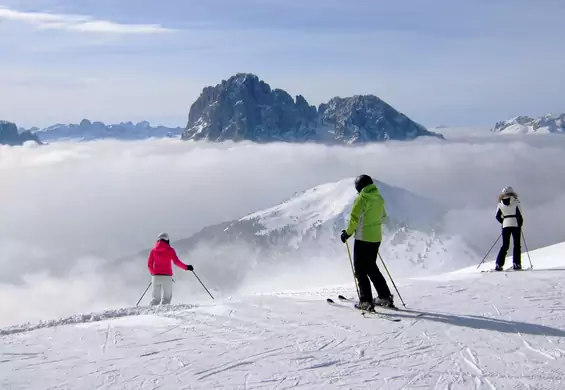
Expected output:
(344, 236)
(189, 268)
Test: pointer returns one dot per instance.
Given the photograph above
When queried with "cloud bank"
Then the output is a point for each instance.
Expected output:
(80, 23)
(69, 210)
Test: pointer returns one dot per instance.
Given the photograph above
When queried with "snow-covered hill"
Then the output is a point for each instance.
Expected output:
(302, 233)
(527, 125)
(90, 131)
(468, 330)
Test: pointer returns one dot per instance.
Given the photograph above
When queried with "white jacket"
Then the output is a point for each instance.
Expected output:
(510, 215)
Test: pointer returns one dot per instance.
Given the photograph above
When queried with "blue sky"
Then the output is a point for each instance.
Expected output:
(447, 62)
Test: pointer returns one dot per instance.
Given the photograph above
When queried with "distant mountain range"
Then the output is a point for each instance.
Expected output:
(10, 135)
(246, 108)
(527, 125)
(90, 131)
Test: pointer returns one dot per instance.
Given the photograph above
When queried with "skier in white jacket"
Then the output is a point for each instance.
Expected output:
(509, 214)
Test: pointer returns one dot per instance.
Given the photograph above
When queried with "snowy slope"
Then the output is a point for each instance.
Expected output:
(480, 331)
(302, 233)
(410, 237)
(550, 257)
(527, 125)
(330, 201)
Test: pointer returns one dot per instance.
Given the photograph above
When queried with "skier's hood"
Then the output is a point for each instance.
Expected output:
(370, 192)
(162, 246)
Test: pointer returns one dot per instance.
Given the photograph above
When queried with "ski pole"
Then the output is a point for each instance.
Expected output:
(527, 251)
(352, 270)
(202, 284)
(389, 275)
(484, 258)
(143, 294)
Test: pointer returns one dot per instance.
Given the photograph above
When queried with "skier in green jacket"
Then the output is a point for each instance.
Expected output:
(365, 221)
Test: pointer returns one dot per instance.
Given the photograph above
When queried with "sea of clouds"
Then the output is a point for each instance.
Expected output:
(68, 210)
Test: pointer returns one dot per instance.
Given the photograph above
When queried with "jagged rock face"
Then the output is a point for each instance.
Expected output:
(368, 119)
(246, 108)
(9, 135)
(526, 124)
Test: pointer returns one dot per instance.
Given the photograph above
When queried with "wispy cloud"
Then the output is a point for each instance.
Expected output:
(81, 23)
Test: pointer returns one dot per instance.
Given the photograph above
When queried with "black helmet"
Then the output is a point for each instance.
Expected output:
(362, 181)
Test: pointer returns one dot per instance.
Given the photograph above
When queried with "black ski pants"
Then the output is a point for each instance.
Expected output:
(365, 263)
(516, 233)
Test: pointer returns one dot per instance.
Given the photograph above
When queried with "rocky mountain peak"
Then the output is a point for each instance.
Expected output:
(9, 135)
(85, 123)
(366, 118)
(247, 108)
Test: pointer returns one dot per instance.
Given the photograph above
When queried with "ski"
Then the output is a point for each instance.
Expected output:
(509, 269)
(363, 312)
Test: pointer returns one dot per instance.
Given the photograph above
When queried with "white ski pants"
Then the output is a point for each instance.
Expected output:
(165, 283)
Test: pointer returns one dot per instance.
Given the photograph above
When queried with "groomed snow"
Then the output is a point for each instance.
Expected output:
(464, 330)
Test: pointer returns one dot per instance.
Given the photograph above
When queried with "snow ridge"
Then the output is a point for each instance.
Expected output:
(527, 125)
(96, 317)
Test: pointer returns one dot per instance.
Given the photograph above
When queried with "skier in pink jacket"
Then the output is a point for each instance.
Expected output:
(161, 270)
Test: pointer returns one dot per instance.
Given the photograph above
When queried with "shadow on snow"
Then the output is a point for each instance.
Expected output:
(485, 323)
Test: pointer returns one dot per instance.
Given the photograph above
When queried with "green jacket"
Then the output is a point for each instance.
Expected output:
(367, 215)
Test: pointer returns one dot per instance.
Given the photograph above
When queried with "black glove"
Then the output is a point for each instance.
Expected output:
(344, 236)
(189, 268)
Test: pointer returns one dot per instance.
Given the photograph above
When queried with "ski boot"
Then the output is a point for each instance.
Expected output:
(384, 302)
(367, 306)
(516, 267)
(498, 268)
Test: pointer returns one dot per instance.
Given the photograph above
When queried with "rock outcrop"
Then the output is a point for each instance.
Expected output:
(9, 135)
(246, 108)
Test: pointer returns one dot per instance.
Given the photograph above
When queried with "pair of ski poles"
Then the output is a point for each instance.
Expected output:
(194, 275)
(386, 268)
(525, 245)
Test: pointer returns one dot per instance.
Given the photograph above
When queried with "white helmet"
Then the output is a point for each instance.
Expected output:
(163, 236)
(508, 189)
(508, 192)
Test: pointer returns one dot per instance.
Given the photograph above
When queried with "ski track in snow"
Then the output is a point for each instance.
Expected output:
(488, 331)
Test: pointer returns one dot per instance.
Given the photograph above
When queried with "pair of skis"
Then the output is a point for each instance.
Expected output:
(509, 269)
(350, 303)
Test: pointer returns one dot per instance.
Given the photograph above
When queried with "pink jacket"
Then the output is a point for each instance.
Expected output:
(160, 257)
